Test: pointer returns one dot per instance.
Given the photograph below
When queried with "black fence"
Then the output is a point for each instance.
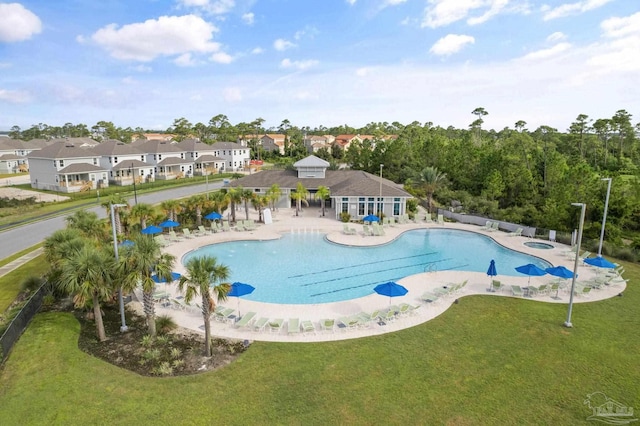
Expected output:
(20, 322)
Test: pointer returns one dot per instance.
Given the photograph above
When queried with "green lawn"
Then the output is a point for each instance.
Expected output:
(487, 360)
(10, 283)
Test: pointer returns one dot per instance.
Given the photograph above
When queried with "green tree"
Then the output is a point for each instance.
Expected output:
(323, 193)
(205, 277)
(300, 196)
(87, 223)
(142, 212)
(431, 179)
(247, 195)
(274, 193)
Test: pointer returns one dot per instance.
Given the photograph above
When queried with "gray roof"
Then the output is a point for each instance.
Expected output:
(7, 144)
(208, 159)
(116, 147)
(81, 168)
(174, 161)
(228, 145)
(127, 164)
(341, 183)
(311, 161)
(157, 146)
(7, 157)
(61, 151)
(194, 145)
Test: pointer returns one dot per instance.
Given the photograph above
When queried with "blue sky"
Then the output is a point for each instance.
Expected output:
(318, 62)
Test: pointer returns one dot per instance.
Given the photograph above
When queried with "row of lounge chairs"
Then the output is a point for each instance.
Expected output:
(438, 293)
(246, 225)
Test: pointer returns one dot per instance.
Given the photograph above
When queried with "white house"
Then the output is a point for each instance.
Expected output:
(236, 157)
(204, 157)
(124, 162)
(65, 167)
(168, 159)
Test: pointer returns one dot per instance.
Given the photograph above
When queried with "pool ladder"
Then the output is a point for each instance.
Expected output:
(432, 267)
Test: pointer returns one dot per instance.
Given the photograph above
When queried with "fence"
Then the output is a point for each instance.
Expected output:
(20, 322)
(527, 231)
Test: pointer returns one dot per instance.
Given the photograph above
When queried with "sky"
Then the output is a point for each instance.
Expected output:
(146, 63)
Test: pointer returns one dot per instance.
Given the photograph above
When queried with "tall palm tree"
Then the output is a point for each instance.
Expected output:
(171, 209)
(143, 212)
(87, 223)
(323, 193)
(300, 196)
(205, 277)
(87, 275)
(274, 193)
(219, 201)
(247, 195)
(235, 197)
(430, 179)
(259, 203)
(61, 244)
(138, 263)
(197, 202)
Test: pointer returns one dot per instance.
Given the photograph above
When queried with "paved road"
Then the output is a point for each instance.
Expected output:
(23, 237)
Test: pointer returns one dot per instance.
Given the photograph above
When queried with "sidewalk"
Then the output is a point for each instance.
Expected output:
(4, 270)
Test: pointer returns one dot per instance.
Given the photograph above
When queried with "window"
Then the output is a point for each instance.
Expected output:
(142, 158)
(396, 206)
(361, 203)
(345, 204)
(61, 163)
(115, 160)
(95, 161)
(370, 206)
(159, 157)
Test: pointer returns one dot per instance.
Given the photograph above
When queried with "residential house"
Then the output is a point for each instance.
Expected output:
(273, 142)
(124, 162)
(12, 159)
(204, 157)
(236, 157)
(355, 192)
(168, 159)
(64, 167)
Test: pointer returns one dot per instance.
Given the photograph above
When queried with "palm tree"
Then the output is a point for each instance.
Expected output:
(115, 199)
(61, 244)
(143, 212)
(431, 179)
(87, 274)
(197, 202)
(138, 264)
(219, 201)
(234, 196)
(300, 196)
(247, 195)
(259, 203)
(171, 208)
(87, 223)
(205, 275)
(323, 193)
(274, 193)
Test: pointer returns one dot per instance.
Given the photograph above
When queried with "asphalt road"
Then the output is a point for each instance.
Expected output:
(23, 237)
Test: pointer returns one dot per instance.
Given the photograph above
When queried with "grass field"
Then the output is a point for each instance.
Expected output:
(487, 360)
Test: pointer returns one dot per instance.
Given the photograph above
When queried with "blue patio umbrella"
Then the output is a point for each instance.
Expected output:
(149, 230)
(213, 216)
(531, 270)
(492, 272)
(127, 243)
(174, 276)
(169, 224)
(371, 218)
(560, 271)
(390, 289)
(238, 290)
(599, 262)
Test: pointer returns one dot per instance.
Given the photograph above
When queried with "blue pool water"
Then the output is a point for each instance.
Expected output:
(306, 268)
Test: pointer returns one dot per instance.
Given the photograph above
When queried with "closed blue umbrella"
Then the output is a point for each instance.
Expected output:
(531, 270)
(213, 216)
(149, 230)
(492, 272)
(599, 262)
(238, 290)
(371, 218)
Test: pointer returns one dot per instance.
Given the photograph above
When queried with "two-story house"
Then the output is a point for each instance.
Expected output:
(124, 162)
(236, 157)
(203, 155)
(168, 159)
(273, 142)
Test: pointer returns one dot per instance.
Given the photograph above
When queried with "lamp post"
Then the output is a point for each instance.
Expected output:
(583, 207)
(604, 216)
(123, 327)
(135, 193)
(380, 205)
(206, 178)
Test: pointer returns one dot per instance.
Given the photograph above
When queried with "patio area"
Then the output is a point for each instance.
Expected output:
(311, 221)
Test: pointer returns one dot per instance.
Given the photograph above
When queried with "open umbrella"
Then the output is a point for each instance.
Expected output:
(238, 290)
(169, 224)
(371, 218)
(390, 289)
(531, 270)
(560, 272)
(599, 262)
(492, 272)
(149, 230)
(213, 216)
(174, 276)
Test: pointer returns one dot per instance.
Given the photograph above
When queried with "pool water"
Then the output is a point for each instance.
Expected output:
(537, 245)
(307, 268)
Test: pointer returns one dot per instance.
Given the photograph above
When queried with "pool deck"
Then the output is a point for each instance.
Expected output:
(285, 221)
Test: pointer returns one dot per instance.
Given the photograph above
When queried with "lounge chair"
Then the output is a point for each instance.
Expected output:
(249, 225)
(348, 231)
(187, 233)
(349, 322)
(239, 227)
(246, 320)
(366, 230)
(293, 326)
(406, 309)
(427, 218)
(174, 237)
(495, 226)
(440, 219)
(487, 226)
(429, 297)
(390, 315)
(495, 286)
(224, 314)
(161, 241)
(516, 290)
(201, 230)
(392, 221)
(275, 325)
(178, 305)
(377, 230)
(516, 233)
(327, 324)
(226, 227)
(260, 324)
(307, 327)
(366, 319)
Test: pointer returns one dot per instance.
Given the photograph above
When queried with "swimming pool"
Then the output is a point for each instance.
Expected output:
(307, 268)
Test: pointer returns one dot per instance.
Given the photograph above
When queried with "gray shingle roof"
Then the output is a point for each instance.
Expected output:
(311, 161)
(127, 164)
(62, 150)
(115, 147)
(81, 168)
(173, 161)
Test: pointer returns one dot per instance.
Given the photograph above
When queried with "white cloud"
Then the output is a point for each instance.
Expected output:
(5, 65)
(222, 58)
(282, 44)
(219, 7)
(185, 60)
(300, 65)
(620, 27)
(248, 18)
(142, 68)
(572, 8)
(351, 2)
(494, 9)
(547, 53)
(17, 23)
(257, 51)
(557, 36)
(128, 80)
(363, 72)
(165, 36)
(232, 94)
(451, 43)
(440, 13)
(14, 96)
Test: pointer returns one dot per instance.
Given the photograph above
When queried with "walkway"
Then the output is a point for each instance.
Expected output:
(312, 222)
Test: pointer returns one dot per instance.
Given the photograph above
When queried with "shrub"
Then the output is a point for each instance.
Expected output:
(164, 369)
(175, 353)
(48, 300)
(165, 324)
(31, 283)
(625, 253)
(151, 354)
(345, 217)
(147, 341)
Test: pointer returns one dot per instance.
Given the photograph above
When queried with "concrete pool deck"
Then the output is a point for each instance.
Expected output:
(310, 221)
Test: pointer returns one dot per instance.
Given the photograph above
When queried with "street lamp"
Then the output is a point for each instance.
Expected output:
(604, 217)
(583, 207)
(135, 193)
(380, 205)
(123, 327)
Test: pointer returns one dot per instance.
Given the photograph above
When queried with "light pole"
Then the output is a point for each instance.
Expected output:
(135, 193)
(604, 216)
(583, 207)
(123, 327)
(206, 178)
(380, 205)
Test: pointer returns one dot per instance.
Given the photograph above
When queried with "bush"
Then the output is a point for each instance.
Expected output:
(165, 324)
(31, 283)
(48, 300)
(625, 253)
(345, 217)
